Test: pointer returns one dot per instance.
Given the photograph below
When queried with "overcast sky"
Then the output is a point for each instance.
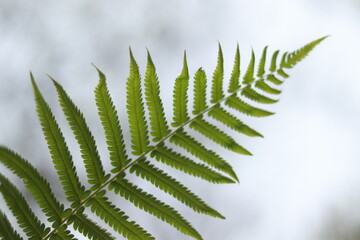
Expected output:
(304, 176)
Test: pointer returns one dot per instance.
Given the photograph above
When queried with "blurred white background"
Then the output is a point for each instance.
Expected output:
(302, 182)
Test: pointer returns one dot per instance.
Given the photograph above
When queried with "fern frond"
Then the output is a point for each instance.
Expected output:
(212, 132)
(135, 110)
(283, 60)
(262, 85)
(152, 205)
(282, 73)
(215, 169)
(182, 163)
(243, 107)
(26, 218)
(199, 92)
(37, 185)
(234, 83)
(117, 219)
(180, 97)
(59, 151)
(249, 75)
(171, 186)
(187, 142)
(283, 64)
(86, 141)
(250, 93)
(273, 79)
(7, 232)
(217, 92)
(110, 121)
(261, 67)
(221, 115)
(273, 65)
(301, 53)
(159, 126)
(63, 234)
(88, 228)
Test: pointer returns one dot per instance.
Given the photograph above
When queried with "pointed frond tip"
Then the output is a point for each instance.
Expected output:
(296, 56)
(217, 79)
(234, 83)
(101, 74)
(216, 114)
(180, 96)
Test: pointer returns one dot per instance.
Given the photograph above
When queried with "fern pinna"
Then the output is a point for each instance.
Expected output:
(149, 139)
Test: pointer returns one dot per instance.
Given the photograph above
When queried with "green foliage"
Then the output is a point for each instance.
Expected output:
(200, 92)
(88, 228)
(218, 77)
(86, 141)
(26, 218)
(249, 75)
(234, 84)
(136, 112)
(6, 229)
(180, 97)
(59, 151)
(158, 122)
(145, 111)
(150, 204)
(110, 121)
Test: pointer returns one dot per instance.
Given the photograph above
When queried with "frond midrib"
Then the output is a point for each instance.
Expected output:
(151, 148)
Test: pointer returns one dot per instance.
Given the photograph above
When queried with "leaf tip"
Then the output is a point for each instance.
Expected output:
(101, 74)
(131, 55)
(149, 59)
(185, 70)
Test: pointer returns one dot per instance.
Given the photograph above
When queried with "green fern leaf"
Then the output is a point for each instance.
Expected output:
(185, 141)
(7, 232)
(301, 53)
(88, 228)
(110, 121)
(232, 122)
(171, 186)
(135, 110)
(262, 85)
(37, 185)
(117, 219)
(241, 106)
(159, 126)
(150, 204)
(79, 198)
(200, 92)
(250, 93)
(283, 65)
(60, 154)
(89, 153)
(234, 83)
(261, 67)
(212, 132)
(283, 60)
(273, 61)
(180, 96)
(26, 218)
(217, 92)
(62, 234)
(249, 75)
(182, 163)
(273, 79)
(281, 73)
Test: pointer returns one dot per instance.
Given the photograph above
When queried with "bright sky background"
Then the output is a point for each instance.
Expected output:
(304, 176)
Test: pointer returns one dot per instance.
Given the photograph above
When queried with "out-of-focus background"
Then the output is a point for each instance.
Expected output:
(303, 181)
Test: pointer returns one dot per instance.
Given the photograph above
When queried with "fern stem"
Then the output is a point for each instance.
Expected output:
(159, 143)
